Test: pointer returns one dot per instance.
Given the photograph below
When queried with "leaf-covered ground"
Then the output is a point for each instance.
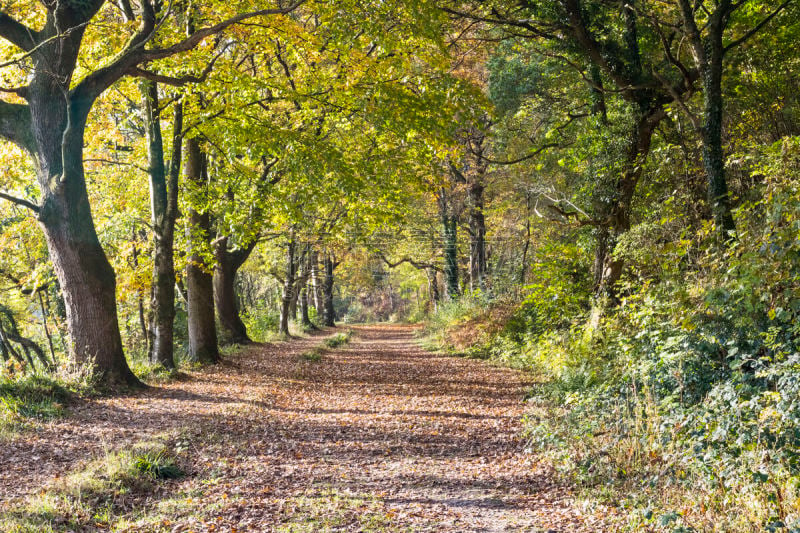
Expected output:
(376, 435)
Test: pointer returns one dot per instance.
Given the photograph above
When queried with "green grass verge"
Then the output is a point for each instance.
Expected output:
(96, 496)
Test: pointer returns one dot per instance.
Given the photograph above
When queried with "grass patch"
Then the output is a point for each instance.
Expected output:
(312, 356)
(340, 339)
(151, 372)
(157, 464)
(97, 495)
(329, 509)
(31, 398)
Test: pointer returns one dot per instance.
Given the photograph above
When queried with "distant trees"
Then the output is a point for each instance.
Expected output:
(630, 60)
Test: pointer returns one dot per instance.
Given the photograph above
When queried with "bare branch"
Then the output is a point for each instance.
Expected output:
(17, 33)
(19, 201)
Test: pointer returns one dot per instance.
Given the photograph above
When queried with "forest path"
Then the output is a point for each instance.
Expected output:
(377, 435)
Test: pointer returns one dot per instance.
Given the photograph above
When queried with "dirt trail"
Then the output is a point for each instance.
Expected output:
(379, 432)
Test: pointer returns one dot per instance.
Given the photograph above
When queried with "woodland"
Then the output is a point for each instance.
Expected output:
(400, 265)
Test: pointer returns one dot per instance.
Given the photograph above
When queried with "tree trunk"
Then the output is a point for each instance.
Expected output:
(45, 312)
(711, 135)
(163, 211)
(316, 289)
(139, 294)
(85, 276)
(523, 271)
(477, 251)
(227, 304)
(300, 284)
(203, 345)
(433, 284)
(288, 287)
(617, 217)
(709, 54)
(327, 291)
(304, 316)
(293, 303)
(450, 238)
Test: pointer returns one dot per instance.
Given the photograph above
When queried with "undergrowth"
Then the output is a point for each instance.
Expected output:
(339, 339)
(28, 399)
(313, 356)
(99, 494)
(680, 405)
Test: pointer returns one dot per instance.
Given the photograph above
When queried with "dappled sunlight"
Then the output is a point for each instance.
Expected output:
(435, 440)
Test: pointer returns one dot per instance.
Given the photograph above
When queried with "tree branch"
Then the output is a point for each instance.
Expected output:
(694, 119)
(521, 159)
(416, 264)
(17, 33)
(180, 80)
(19, 201)
(755, 29)
(98, 81)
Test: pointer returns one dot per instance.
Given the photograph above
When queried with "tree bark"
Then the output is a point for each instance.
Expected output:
(316, 289)
(523, 271)
(433, 285)
(477, 225)
(304, 316)
(299, 288)
(203, 346)
(709, 54)
(163, 212)
(86, 278)
(327, 290)
(450, 246)
(711, 135)
(288, 287)
(227, 303)
(140, 294)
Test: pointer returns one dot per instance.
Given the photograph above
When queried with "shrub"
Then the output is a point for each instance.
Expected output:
(313, 356)
(157, 464)
(339, 339)
(682, 402)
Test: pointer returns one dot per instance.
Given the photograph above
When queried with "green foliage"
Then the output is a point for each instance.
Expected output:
(339, 339)
(312, 356)
(157, 464)
(31, 398)
(682, 401)
(34, 389)
(97, 494)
